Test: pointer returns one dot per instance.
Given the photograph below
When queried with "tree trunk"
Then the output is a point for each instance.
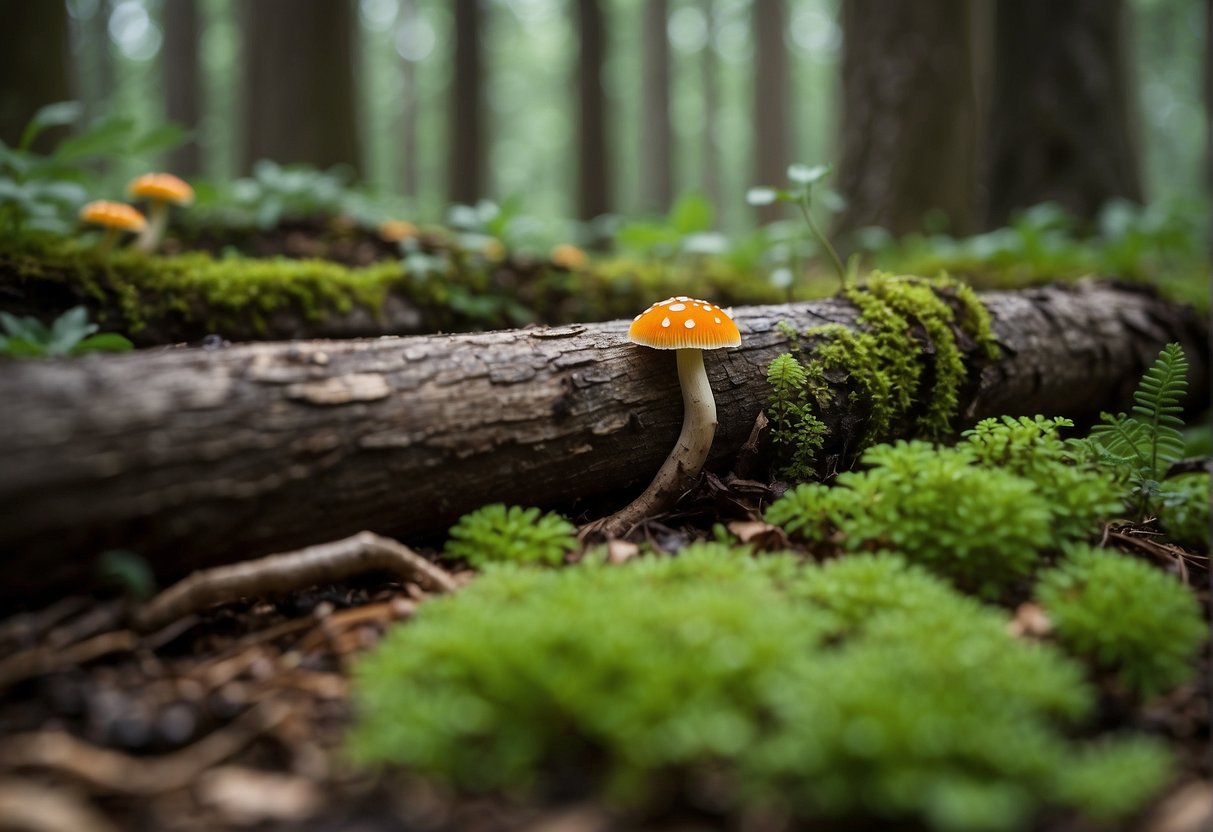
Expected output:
(182, 84)
(410, 111)
(909, 116)
(656, 136)
(194, 457)
(709, 160)
(1061, 125)
(593, 164)
(772, 102)
(35, 63)
(95, 62)
(1209, 110)
(467, 157)
(300, 99)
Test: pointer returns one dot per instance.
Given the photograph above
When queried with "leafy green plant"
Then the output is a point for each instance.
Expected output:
(748, 683)
(796, 431)
(1148, 440)
(803, 179)
(43, 192)
(1125, 616)
(497, 533)
(1184, 514)
(981, 528)
(686, 229)
(70, 334)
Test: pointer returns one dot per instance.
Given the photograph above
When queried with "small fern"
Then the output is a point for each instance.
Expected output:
(497, 533)
(795, 429)
(1148, 440)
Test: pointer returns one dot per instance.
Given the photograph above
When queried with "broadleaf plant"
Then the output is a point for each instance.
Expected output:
(70, 334)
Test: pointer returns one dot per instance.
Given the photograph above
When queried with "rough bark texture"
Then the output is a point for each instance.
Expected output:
(593, 184)
(34, 65)
(909, 117)
(299, 82)
(1062, 108)
(195, 458)
(182, 84)
(466, 174)
(656, 137)
(772, 102)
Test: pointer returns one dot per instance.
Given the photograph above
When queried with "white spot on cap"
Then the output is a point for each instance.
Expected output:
(641, 315)
(688, 323)
(665, 321)
(680, 297)
(717, 320)
(677, 307)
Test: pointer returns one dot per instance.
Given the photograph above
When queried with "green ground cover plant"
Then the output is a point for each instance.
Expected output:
(511, 534)
(69, 334)
(863, 690)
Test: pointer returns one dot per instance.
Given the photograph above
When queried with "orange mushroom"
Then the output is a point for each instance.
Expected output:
(568, 256)
(161, 189)
(114, 217)
(688, 326)
(393, 231)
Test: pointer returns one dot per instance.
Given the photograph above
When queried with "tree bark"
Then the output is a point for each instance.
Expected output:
(1209, 111)
(300, 98)
(593, 163)
(772, 102)
(182, 84)
(1062, 113)
(467, 157)
(410, 111)
(656, 138)
(709, 157)
(35, 61)
(909, 116)
(194, 458)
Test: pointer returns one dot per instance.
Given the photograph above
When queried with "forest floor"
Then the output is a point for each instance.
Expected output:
(235, 717)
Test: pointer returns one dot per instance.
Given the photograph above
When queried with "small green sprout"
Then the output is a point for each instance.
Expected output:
(803, 179)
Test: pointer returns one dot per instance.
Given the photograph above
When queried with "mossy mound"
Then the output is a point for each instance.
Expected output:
(182, 297)
(861, 691)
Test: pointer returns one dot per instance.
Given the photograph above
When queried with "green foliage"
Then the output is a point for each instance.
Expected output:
(861, 691)
(1184, 513)
(803, 180)
(685, 230)
(70, 334)
(499, 534)
(43, 192)
(882, 362)
(1146, 442)
(1124, 616)
(1078, 493)
(980, 527)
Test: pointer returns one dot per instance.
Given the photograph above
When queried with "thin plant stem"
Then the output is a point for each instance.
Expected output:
(803, 202)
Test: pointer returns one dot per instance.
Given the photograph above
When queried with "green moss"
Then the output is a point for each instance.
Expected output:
(1126, 617)
(500, 534)
(900, 319)
(860, 692)
(1184, 513)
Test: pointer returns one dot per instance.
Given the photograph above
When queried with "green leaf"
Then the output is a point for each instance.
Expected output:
(103, 342)
(52, 115)
(108, 137)
(692, 212)
(22, 348)
(158, 139)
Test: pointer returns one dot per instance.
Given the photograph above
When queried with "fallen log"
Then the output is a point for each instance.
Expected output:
(196, 457)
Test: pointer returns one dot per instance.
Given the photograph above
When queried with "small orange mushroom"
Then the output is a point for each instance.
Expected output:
(114, 217)
(568, 256)
(393, 231)
(161, 189)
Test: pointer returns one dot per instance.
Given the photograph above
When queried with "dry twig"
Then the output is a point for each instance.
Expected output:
(289, 571)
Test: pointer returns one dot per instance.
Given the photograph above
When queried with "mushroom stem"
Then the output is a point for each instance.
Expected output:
(677, 474)
(149, 237)
(107, 240)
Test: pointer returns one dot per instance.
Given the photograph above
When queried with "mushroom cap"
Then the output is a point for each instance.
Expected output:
(113, 215)
(682, 323)
(393, 231)
(161, 187)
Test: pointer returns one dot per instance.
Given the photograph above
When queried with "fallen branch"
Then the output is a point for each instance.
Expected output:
(194, 458)
(290, 571)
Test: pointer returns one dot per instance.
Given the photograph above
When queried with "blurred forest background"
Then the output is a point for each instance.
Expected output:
(943, 115)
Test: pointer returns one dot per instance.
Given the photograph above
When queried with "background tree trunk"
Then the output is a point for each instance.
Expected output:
(772, 101)
(35, 64)
(182, 84)
(467, 158)
(909, 115)
(656, 133)
(410, 147)
(1209, 111)
(1062, 113)
(709, 151)
(193, 457)
(593, 164)
(299, 103)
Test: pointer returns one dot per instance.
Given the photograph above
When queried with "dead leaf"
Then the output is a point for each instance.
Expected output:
(621, 551)
(761, 535)
(1030, 621)
(248, 796)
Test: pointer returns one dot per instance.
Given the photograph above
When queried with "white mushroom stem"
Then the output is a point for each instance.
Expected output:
(157, 222)
(680, 469)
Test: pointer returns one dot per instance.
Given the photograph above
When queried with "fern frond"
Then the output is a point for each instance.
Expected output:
(1157, 401)
(1122, 439)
